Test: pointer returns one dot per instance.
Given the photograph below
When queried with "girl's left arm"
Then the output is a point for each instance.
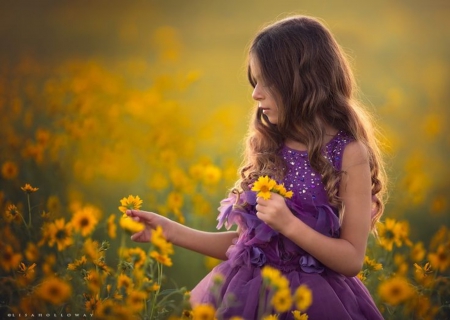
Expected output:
(345, 254)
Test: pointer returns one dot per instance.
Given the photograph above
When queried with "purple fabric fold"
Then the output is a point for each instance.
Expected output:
(241, 211)
(231, 209)
(310, 265)
(241, 254)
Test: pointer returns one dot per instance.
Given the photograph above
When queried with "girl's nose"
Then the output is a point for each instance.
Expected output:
(257, 94)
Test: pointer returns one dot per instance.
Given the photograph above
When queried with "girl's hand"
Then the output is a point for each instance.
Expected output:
(151, 221)
(274, 212)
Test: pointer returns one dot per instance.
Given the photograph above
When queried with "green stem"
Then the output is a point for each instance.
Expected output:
(29, 210)
(155, 297)
(26, 226)
(262, 301)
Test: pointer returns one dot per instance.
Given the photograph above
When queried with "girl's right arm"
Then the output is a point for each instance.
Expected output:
(213, 244)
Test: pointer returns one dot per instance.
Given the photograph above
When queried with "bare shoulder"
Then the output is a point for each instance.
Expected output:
(355, 153)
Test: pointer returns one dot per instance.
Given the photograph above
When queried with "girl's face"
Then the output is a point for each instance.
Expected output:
(262, 93)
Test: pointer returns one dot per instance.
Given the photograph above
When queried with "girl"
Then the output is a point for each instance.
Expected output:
(308, 133)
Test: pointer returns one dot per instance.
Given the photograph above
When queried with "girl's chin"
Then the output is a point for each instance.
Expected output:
(271, 120)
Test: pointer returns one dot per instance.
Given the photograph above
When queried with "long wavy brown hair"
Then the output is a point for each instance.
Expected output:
(308, 73)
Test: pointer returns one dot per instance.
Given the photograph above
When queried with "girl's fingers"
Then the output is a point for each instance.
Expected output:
(135, 236)
(143, 216)
(261, 201)
(138, 236)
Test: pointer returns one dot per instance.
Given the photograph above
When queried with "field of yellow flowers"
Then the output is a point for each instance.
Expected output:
(83, 137)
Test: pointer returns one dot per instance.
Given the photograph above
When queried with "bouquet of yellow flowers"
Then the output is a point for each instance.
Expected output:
(265, 185)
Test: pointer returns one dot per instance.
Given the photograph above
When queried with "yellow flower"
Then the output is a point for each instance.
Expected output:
(270, 274)
(124, 281)
(441, 236)
(84, 220)
(264, 185)
(203, 312)
(420, 306)
(31, 252)
(111, 226)
(158, 239)
(402, 265)
(136, 300)
(439, 204)
(403, 229)
(274, 278)
(201, 205)
(270, 317)
(303, 298)
(196, 171)
(395, 290)
(282, 300)
(53, 205)
(440, 260)
(9, 170)
(12, 213)
(299, 316)
(46, 216)
(361, 276)
(139, 277)
(136, 256)
(218, 279)
(175, 201)
(424, 271)
(211, 262)
(418, 252)
(54, 290)
(389, 233)
(27, 272)
(49, 263)
(92, 303)
(280, 189)
(91, 248)
(161, 258)
(130, 203)
(211, 174)
(42, 136)
(107, 309)
(101, 264)
(372, 264)
(78, 263)
(280, 283)
(28, 188)
(130, 225)
(93, 281)
(289, 195)
(158, 182)
(150, 286)
(60, 233)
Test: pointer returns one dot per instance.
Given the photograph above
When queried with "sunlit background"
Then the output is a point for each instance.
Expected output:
(104, 99)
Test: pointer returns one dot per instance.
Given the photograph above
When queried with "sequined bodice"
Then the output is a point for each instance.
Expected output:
(303, 180)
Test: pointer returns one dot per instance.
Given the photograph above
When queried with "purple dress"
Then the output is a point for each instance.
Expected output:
(335, 296)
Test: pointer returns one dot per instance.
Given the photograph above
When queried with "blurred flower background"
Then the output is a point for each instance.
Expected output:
(101, 100)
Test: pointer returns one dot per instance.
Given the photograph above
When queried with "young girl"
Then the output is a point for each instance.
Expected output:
(308, 133)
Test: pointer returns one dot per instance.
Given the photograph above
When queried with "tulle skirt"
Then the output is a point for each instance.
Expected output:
(334, 296)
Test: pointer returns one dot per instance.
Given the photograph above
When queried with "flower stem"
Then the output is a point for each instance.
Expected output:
(29, 210)
(26, 226)
(155, 296)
